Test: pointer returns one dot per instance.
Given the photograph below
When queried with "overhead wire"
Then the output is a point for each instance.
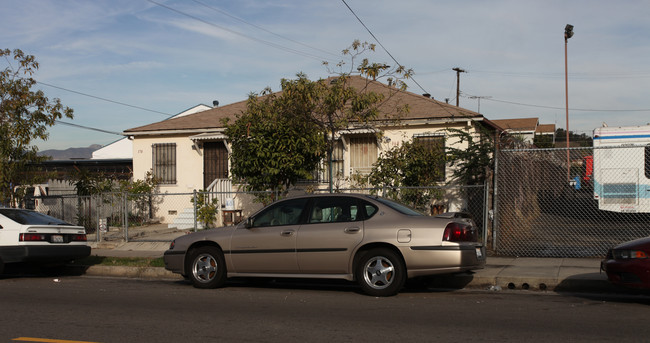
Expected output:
(378, 42)
(104, 99)
(572, 109)
(578, 76)
(88, 128)
(261, 28)
(261, 41)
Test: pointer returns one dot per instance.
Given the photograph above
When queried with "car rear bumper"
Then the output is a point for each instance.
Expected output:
(634, 273)
(423, 261)
(174, 261)
(43, 253)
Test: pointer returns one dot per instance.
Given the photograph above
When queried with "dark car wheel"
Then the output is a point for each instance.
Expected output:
(381, 273)
(207, 268)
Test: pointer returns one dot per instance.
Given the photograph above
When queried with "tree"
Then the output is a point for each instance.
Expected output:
(409, 165)
(283, 137)
(543, 141)
(342, 103)
(580, 140)
(143, 194)
(473, 163)
(25, 115)
(206, 209)
(275, 142)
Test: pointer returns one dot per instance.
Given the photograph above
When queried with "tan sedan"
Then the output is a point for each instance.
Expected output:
(373, 240)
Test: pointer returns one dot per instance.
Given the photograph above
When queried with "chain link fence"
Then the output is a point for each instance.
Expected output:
(149, 217)
(550, 203)
(161, 217)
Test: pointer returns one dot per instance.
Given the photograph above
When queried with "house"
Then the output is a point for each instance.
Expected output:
(123, 148)
(191, 152)
(526, 129)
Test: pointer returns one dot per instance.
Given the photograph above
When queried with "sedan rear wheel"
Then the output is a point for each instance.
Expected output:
(381, 273)
(207, 267)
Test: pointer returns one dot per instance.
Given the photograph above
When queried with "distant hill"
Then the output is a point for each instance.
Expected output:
(70, 153)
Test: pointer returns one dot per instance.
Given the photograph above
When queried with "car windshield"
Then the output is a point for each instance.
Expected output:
(26, 217)
(398, 207)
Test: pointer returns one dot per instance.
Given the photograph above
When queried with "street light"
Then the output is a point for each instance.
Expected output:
(568, 33)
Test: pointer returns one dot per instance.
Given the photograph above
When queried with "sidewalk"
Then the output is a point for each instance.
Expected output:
(500, 273)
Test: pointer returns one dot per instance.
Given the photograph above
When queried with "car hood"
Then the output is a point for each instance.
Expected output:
(641, 243)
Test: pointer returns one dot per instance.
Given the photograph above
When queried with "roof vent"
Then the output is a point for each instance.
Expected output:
(427, 95)
(215, 103)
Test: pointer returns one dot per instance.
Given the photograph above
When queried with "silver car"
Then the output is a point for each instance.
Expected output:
(373, 240)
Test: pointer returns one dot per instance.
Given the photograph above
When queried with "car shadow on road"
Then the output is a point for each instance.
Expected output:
(594, 286)
(441, 283)
(25, 270)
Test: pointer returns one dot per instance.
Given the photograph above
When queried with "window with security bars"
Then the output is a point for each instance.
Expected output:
(363, 154)
(322, 173)
(337, 163)
(164, 162)
(437, 144)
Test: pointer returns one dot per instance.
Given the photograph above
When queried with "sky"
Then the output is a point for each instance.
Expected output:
(120, 64)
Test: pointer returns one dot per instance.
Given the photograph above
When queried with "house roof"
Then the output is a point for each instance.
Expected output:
(420, 107)
(520, 124)
(546, 128)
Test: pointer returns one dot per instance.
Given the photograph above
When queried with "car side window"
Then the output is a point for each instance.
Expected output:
(334, 209)
(287, 212)
(370, 209)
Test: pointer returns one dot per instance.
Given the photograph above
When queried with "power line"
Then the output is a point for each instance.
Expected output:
(263, 29)
(572, 109)
(578, 76)
(273, 45)
(378, 42)
(89, 128)
(104, 99)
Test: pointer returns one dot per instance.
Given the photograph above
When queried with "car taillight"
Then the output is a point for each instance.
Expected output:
(38, 237)
(79, 238)
(458, 232)
(32, 237)
(622, 254)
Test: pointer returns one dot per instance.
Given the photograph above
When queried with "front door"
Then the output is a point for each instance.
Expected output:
(269, 245)
(215, 162)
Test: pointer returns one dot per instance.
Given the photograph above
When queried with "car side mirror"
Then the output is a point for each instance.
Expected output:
(248, 223)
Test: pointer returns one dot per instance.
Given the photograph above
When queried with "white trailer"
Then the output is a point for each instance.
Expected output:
(621, 168)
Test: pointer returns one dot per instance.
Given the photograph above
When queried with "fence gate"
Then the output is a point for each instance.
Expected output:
(540, 211)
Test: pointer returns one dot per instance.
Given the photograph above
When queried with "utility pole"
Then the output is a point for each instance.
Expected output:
(458, 71)
(568, 33)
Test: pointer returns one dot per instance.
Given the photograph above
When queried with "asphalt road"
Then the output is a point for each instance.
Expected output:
(91, 309)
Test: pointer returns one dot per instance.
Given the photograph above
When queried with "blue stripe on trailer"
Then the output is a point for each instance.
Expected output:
(622, 137)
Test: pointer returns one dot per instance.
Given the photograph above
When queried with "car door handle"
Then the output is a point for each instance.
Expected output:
(287, 233)
(352, 229)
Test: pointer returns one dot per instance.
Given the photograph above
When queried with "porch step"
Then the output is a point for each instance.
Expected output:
(185, 220)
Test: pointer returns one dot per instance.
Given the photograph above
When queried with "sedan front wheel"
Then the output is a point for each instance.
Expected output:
(207, 268)
(381, 273)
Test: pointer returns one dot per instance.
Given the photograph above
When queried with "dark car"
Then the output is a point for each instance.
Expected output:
(628, 264)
